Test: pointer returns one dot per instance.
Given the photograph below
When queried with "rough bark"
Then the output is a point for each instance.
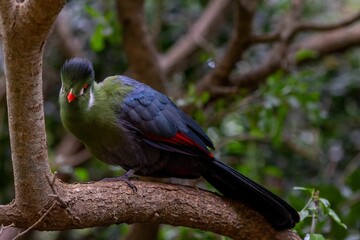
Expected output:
(25, 27)
(94, 204)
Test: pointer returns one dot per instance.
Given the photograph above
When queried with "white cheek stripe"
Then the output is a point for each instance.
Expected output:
(91, 100)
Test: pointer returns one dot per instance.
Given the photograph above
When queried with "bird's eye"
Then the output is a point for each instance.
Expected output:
(84, 88)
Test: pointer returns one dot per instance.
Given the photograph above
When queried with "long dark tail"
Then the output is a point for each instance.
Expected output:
(235, 185)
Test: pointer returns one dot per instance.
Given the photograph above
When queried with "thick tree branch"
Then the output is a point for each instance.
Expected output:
(25, 27)
(154, 202)
(336, 40)
(281, 53)
(35, 19)
(7, 11)
(139, 49)
(275, 58)
(256, 76)
(309, 26)
(190, 42)
(303, 26)
(237, 45)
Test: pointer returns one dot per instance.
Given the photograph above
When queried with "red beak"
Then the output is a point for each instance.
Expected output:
(71, 97)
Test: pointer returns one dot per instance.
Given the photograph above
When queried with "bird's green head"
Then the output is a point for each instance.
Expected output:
(77, 76)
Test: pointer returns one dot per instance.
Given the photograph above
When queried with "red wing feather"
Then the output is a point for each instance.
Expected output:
(181, 140)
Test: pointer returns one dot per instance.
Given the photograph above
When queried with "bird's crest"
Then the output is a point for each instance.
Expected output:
(77, 69)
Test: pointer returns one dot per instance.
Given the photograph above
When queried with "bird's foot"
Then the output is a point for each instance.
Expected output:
(125, 178)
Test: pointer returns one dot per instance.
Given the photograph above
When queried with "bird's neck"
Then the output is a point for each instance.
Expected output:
(75, 114)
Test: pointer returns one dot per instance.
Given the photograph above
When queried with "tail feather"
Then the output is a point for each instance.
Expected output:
(235, 185)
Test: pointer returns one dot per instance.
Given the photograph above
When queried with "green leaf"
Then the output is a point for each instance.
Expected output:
(305, 54)
(199, 116)
(97, 39)
(81, 174)
(204, 97)
(336, 218)
(309, 190)
(304, 214)
(314, 236)
(273, 171)
(235, 147)
(325, 202)
(92, 11)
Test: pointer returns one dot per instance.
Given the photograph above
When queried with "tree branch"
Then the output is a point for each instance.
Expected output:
(154, 202)
(25, 27)
(237, 45)
(266, 38)
(302, 26)
(309, 26)
(139, 49)
(256, 76)
(7, 11)
(200, 30)
(336, 40)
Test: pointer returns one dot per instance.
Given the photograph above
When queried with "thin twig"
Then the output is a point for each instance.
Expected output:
(350, 168)
(36, 223)
(304, 26)
(314, 215)
(2, 227)
(266, 38)
(308, 26)
(55, 195)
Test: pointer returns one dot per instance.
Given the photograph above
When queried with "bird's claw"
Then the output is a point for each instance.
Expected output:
(125, 178)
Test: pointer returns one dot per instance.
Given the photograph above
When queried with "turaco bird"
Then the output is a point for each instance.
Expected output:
(127, 123)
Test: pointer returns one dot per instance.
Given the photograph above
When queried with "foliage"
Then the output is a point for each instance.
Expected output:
(318, 210)
(106, 29)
